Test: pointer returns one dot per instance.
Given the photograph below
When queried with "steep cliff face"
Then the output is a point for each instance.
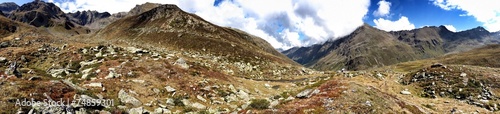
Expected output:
(87, 17)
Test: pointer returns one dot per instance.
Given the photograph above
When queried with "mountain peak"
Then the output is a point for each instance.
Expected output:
(138, 9)
(479, 28)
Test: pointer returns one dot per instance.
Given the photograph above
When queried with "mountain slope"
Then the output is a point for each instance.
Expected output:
(169, 27)
(369, 47)
(7, 27)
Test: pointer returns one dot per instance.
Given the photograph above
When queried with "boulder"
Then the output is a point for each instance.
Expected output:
(181, 63)
(126, 98)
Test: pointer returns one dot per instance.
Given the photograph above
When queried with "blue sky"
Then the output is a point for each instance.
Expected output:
(291, 23)
(424, 13)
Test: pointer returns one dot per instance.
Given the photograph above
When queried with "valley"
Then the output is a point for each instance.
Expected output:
(158, 58)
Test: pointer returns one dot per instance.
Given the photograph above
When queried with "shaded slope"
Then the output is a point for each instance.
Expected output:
(369, 47)
(365, 48)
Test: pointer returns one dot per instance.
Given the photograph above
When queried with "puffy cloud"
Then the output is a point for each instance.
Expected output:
(402, 24)
(383, 10)
(485, 11)
(451, 28)
(283, 23)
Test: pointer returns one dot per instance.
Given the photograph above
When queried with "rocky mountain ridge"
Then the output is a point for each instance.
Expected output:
(369, 47)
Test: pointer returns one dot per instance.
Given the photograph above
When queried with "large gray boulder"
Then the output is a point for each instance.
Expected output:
(126, 98)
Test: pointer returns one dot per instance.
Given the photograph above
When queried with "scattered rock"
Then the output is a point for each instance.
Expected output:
(304, 94)
(17, 39)
(138, 110)
(85, 73)
(198, 106)
(201, 98)
(463, 74)
(181, 63)
(70, 84)
(3, 59)
(406, 92)
(126, 98)
(94, 84)
(170, 89)
(112, 74)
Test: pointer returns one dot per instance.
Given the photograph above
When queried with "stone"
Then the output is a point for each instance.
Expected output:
(170, 89)
(74, 86)
(94, 84)
(85, 73)
(198, 106)
(201, 98)
(438, 65)
(85, 63)
(112, 74)
(138, 81)
(181, 63)
(3, 59)
(138, 110)
(274, 103)
(4, 44)
(134, 50)
(304, 94)
(463, 74)
(161, 111)
(126, 98)
(405, 92)
(17, 39)
(243, 95)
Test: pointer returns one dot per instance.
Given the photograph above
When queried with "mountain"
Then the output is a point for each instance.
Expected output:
(96, 20)
(368, 47)
(170, 27)
(43, 14)
(138, 9)
(8, 7)
(39, 13)
(87, 17)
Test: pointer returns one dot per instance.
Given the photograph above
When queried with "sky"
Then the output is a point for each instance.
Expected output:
(295, 23)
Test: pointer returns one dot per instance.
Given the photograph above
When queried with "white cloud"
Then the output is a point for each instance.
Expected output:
(383, 10)
(451, 28)
(402, 24)
(485, 11)
(277, 21)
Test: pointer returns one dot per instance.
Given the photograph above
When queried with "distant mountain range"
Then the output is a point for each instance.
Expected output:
(368, 47)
